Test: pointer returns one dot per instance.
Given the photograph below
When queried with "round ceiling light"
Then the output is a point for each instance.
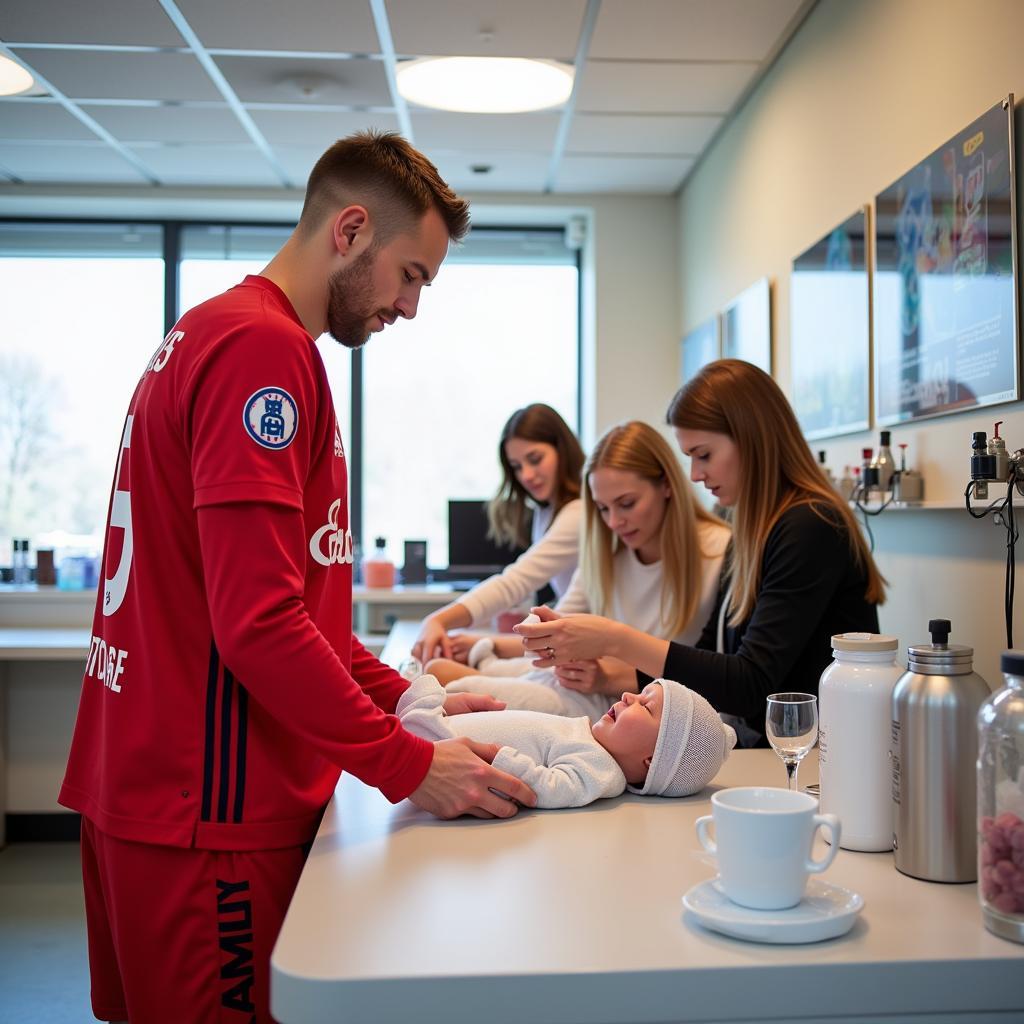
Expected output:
(13, 77)
(485, 85)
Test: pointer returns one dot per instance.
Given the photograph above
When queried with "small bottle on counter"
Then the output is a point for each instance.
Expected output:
(1001, 803)
(854, 723)
(19, 564)
(883, 462)
(845, 484)
(378, 570)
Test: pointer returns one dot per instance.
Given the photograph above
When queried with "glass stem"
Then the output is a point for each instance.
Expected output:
(791, 767)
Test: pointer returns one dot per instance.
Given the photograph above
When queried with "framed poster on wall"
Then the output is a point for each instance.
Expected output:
(700, 347)
(945, 292)
(747, 326)
(830, 332)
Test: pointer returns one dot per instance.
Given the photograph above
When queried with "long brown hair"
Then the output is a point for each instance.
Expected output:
(508, 511)
(777, 470)
(638, 448)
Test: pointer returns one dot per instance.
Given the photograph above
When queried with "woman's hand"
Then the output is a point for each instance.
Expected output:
(558, 639)
(581, 676)
(432, 642)
(462, 644)
(464, 703)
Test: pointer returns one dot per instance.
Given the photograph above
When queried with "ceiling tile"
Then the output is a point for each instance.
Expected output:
(208, 165)
(510, 172)
(526, 28)
(641, 133)
(519, 132)
(169, 124)
(317, 127)
(111, 23)
(21, 120)
(632, 86)
(317, 25)
(355, 83)
(84, 162)
(660, 175)
(141, 76)
(690, 29)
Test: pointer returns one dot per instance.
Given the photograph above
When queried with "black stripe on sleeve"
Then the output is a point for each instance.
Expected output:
(211, 730)
(243, 730)
(225, 746)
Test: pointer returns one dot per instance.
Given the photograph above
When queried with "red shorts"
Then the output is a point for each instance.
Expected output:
(183, 935)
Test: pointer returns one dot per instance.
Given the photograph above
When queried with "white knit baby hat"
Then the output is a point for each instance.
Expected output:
(693, 742)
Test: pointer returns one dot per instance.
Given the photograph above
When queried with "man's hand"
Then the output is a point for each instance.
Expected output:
(461, 703)
(462, 781)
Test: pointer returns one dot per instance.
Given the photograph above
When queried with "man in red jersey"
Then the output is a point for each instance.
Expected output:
(224, 690)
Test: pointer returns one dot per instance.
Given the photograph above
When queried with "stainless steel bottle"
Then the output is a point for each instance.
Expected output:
(934, 753)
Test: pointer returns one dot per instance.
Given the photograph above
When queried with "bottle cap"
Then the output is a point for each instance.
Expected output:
(886, 435)
(864, 642)
(940, 657)
(1012, 663)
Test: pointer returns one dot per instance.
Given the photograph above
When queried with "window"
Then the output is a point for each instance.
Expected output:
(497, 330)
(81, 312)
(82, 309)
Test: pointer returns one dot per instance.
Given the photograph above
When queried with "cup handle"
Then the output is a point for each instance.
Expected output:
(702, 834)
(831, 822)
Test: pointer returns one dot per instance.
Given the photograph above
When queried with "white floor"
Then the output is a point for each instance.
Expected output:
(44, 971)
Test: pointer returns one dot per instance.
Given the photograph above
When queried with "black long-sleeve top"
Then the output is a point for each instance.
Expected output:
(811, 588)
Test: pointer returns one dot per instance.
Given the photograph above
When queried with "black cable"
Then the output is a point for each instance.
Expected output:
(1002, 509)
(855, 498)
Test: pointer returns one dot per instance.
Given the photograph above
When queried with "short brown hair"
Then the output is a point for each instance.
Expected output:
(394, 181)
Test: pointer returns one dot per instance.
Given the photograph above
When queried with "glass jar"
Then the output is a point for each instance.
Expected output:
(1001, 803)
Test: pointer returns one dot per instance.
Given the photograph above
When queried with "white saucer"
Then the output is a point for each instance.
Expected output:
(825, 912)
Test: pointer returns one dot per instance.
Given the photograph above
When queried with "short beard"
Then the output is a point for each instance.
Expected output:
(349, 302)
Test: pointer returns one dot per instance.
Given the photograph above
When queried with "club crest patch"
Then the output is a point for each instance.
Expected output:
(271, 418)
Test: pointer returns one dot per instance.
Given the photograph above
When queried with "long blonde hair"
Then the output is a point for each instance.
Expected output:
(638, 448)
(777, 470)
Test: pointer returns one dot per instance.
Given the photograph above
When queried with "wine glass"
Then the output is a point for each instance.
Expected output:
(791, 724)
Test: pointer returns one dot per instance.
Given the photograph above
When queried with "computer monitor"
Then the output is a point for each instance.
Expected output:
(471, 553)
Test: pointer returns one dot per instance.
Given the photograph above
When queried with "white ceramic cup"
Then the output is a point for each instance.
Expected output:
(763, 845)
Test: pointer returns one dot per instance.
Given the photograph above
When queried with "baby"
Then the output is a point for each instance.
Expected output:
(516, 681)
(665, 741)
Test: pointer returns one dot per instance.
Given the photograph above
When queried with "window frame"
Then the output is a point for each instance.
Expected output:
(171, 236)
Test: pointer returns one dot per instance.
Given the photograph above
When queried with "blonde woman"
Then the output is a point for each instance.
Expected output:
(799, 569)
(650, 556)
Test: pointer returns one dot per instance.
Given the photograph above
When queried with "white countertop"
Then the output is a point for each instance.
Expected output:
(575, 916)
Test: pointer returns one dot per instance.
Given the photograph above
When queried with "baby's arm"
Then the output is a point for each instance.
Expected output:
(572, 781)
(421, 709)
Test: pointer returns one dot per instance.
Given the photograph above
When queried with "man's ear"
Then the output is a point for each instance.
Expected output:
(351, 230)
(647, 762)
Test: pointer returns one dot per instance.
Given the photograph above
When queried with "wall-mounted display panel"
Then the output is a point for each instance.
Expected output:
(700, 347)
(830, 332)
(747, 326)
(945, 297)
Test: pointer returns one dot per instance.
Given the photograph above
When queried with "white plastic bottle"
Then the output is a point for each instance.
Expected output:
(854, 724)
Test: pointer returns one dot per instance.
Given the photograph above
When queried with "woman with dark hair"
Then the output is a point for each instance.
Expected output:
(538, 507)
(798, 570)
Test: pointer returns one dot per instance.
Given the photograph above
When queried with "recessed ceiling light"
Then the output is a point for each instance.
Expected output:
(485, 85)
(13, 77)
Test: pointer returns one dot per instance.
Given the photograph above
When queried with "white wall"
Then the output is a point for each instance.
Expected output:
(864, 90)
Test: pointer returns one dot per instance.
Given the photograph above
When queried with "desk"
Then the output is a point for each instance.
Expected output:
(574, 916)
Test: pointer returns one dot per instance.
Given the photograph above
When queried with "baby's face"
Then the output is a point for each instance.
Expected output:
(629, 730)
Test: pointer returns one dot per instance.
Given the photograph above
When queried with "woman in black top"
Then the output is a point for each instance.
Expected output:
(798, 570)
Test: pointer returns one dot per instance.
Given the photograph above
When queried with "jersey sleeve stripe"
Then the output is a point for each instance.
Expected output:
(225, 746)
(211, 729)
(243, 729)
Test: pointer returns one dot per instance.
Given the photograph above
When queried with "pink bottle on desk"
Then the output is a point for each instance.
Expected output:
(378, 571)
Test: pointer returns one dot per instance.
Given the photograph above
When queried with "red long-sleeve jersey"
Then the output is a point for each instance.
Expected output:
(224, 689)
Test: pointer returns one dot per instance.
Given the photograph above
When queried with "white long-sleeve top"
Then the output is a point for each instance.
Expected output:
(552, 557)
(636, 588)
(558, 758)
